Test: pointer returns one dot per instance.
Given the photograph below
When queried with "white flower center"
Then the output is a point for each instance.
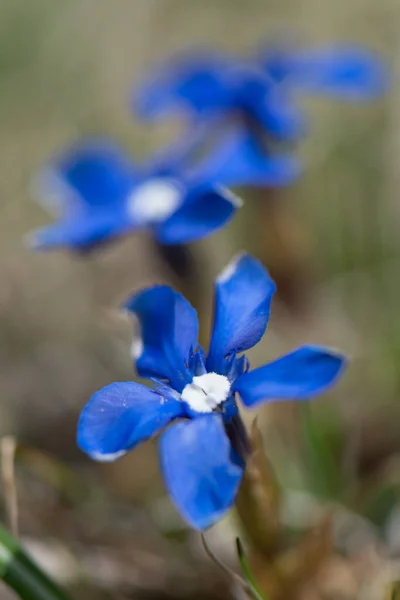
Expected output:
(206, 392)
(155, 200)
(137, 348)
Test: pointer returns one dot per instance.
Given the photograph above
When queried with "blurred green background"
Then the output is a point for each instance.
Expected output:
(66, 70)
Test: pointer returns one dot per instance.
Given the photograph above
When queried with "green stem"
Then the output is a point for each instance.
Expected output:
(22, 575)
(256, 591)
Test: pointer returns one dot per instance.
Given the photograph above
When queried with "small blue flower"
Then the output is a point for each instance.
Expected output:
(99, 195)
(261, 90)
(204, 449)
(214, 87)
(236, 107)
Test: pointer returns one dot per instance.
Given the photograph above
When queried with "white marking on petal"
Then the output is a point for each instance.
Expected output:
(230, 269)
(230, 196)
(137, 348)
(155, 200)
(107, 457)
(206, 392)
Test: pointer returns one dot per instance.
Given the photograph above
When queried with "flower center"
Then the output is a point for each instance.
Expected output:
(155, 200)
(206, 392)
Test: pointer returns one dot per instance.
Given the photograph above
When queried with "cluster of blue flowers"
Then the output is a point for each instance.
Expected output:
(238, 110)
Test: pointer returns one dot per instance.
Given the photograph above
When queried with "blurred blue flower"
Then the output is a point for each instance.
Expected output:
(260, 90)
(212, 86)
(203, 452)
(99, 195)
(237, 107)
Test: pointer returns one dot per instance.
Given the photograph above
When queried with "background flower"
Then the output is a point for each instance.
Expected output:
(242, 104)
(100, 195)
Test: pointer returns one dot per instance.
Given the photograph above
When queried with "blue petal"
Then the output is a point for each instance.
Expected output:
(195, 82)
(243, 294)
(197, 362)
(198, 470)
(88, 176)
(169, 330)
(269, 105)
(204, 210)
(240, 160)
(302, 374)
(236, 366)
(279, 115)
(82, 233)
(122, 415)
(345, 71)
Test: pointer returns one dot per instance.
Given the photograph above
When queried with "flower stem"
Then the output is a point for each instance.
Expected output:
(256, 592)
(258, 499)
(22, 575)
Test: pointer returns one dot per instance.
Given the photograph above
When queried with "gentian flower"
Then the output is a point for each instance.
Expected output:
(241, 105)
(216, 87)
(204, 447)
(100, 195)
(232, 105)
(261, 89)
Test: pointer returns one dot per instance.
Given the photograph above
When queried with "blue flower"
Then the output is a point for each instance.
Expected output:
(261, 90)
(234, 107)
(241, 105)
(215, 87)
(204, 448)
(99, 195)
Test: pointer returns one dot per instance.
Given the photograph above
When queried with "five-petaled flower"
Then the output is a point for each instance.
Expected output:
(216, 87)
(99, 195)
(203, 450)
(260, 89)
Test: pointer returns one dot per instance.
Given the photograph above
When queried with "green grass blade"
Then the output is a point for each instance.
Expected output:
(22, 575)
(247, 573)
